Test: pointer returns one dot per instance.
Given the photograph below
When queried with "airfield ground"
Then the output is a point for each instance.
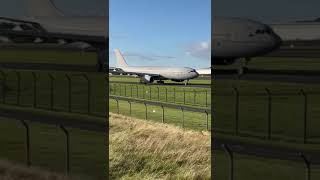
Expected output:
(148, 150)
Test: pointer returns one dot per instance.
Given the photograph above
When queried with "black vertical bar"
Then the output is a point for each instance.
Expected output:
(269, 113)
(150, 92)
(231, 159)
(158, 93)
(207, 119)
(307, 164)
(162, 113)
(27, 142)
(67, 150)
(18, 87)
(182, 110)
(237, 112)
(305, 125)
(118, 108)
(146, 111)
(130, 108)
(184, 96)
(166, 94)
(34, 89)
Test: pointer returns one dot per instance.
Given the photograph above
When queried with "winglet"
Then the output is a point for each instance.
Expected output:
(121, 62)
(42, 8)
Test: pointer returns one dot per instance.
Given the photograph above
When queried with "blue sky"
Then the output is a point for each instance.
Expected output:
(161, 33)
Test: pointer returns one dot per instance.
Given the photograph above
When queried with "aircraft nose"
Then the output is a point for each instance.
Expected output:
(277, 41)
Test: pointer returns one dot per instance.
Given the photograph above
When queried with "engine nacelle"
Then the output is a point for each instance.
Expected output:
(146, 79)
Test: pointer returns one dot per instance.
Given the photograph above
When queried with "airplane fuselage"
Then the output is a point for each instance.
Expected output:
(172, 73)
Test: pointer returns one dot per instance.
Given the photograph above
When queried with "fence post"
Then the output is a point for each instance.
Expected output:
(144, 92)
(158, 93)
(4, 75)
(237, 111)
(184, 96)
(69, 92)
(269, 112)
(34, 75)
(174, 95)
(27, 142)
(305, 125)
(118, 108)
(125, 90)
(146, 111)
(307, 164)
(66, 132)
(207, 119)
(206, 98)
(150, 92)
(166, 94)
(230, 154)
(137, 91)
(129, 108)
(89, 93)
(182, 110)
(162, 113)
(194, 96)
(18, 86)
(51, 91)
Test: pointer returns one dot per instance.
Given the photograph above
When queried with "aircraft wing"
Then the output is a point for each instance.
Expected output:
(20, 31)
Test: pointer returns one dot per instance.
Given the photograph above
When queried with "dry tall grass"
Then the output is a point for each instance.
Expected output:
(10, 171)
(148, 150)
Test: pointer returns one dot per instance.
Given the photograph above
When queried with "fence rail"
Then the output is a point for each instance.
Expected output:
(271, 114)
(178, 95)
(13, 92)
(181, 108)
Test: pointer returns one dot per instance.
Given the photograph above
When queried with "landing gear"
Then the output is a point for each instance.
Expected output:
(186, 82)
(243, 63)
(160, 82)
(101, 59)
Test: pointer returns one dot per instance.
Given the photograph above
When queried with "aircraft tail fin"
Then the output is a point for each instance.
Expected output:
(121, 62)
(42, 8)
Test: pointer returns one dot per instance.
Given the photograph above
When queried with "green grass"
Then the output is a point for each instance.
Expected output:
(252, 168)
(40, 96)
(14, 55)
(192, 120)
(135, 79)
(147, 150)
(287, 114)
(276, 63)
(178, 95)
(48, 145)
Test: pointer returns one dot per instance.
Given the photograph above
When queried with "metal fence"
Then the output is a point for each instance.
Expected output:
(44, 91)
(233, 172)
(183, 109)
(179, 95)
(268, 114)
(65, 125)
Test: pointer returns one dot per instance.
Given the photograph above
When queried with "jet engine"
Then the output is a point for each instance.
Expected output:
(146, 79)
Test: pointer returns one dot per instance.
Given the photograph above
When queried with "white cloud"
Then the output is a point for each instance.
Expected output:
(200, 50)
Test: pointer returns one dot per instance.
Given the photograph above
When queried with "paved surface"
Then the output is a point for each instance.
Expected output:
(168, 84)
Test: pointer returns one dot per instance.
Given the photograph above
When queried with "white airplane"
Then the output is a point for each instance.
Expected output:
(45, 23)
(204, 71)
(237, 38)
(148, 74)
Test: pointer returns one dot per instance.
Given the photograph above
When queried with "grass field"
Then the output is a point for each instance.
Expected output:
(156, 151)
(47, 149)
(192, 120)
(171, 94)
(55, 96)
(252, 168)
(14, 55)
(135, 79)
(10, 171)
(292, 63)
(287, 108)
